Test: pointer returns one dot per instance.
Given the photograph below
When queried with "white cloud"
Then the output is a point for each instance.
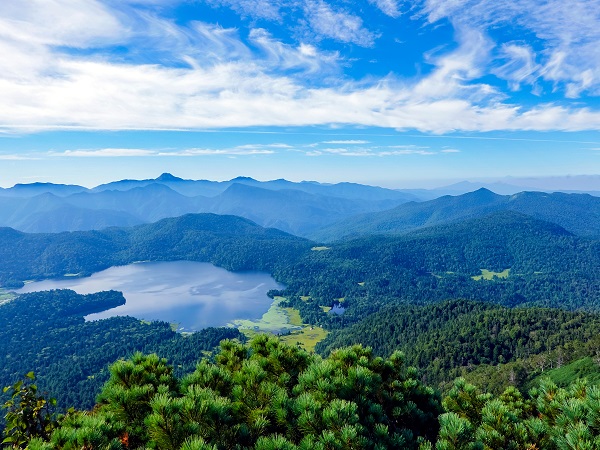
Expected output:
(455, 70)
(450, 150)
(17, 158)
(237, 151)
(519, 66)
(389, 7)
(567, 31)
(264, 146)
(104, 153)
(338, 25)
(262, 9)
(406, 152)
(79, 24)
(393, 150)
(347, 142)
(99, 95)
(242, 150)
(42, 88)
(284, 57)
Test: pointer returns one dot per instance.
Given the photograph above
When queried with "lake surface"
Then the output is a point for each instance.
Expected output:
(191, 294)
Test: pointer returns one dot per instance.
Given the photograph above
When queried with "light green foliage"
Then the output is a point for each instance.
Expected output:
(263, 396)
(28, 415)
(552, 419)
(279, 319)
(490, 274)
(130, 389)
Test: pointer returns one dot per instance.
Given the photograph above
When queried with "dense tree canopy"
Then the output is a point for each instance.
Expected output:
(262, 396)
(46, 332)
(451, 338)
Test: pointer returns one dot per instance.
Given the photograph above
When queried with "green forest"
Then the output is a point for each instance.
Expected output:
(426, 354)
(268, 396)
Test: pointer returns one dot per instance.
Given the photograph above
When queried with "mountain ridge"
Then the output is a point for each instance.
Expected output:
(578, 213)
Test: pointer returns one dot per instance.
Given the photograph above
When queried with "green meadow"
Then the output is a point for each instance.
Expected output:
(286, 323)
(489, 274)
(6, 296)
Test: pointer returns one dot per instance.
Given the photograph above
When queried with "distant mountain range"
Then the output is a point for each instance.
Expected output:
(323, 212)
(577, 213)
(298, 208)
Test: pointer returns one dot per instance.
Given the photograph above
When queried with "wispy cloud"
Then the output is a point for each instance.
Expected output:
(218, 152)
(217, 80)
(264, 146)
(17, 158)
(389, 7)
(260, 9)
(105, 153)
(569, 34)
(392, 150)
(347, 142)
(337, 24)
(242, 150)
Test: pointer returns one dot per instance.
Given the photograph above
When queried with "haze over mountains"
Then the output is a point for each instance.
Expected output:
(297, 208)
(322, 212)
(577, 213)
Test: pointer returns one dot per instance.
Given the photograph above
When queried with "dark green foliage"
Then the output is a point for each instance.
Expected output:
(548, 267)
(129, 390)
(263, 396)
(46, 331)
(450, 337)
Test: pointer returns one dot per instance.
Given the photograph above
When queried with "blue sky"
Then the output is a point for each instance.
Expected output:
(388, 92)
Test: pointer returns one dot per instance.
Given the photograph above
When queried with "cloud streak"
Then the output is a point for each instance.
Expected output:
(218, 81)
(242, 150)
(568, 32)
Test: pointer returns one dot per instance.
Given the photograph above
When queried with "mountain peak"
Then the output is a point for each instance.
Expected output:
(483, 193)
(168, 177)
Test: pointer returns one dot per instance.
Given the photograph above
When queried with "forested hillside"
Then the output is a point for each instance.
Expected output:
(528, 262)
(389, 288)
(46, 332)
(448, 339)
(578, 213)
(226, 241)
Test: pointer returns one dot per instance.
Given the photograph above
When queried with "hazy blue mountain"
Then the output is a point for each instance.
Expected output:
(190, 188)
(294, 207)
(33, 189)
(290, 210)
(16, 211)
(212, 188)
(88, 210)
(465, 187)
(578, 213)
(148, 203)
(580, 184)
(71, 218)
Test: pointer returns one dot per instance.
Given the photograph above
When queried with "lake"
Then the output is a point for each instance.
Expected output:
(191, 294)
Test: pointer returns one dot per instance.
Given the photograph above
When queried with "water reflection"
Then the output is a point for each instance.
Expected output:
(193, 295)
